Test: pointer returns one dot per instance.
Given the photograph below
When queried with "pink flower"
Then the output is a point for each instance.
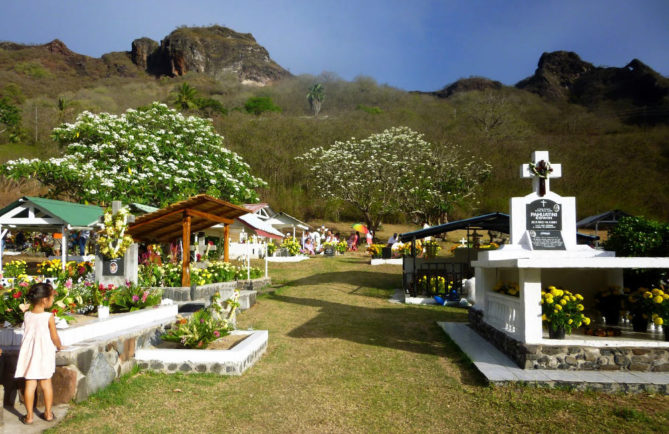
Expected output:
(128, 284)
(68, 283)
(135, 298)
(217, 333)
(146, 294)
(24, 284)
(110, 286)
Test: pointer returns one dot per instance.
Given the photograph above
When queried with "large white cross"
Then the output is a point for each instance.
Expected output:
(537, 156)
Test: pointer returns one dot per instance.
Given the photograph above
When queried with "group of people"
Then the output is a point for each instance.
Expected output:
(312, 242)
(53, 243)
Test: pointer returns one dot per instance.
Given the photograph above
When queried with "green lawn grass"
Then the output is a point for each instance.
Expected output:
(341, 358)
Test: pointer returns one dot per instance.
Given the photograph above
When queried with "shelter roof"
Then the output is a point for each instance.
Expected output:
(38, 213)
(166, 224)
(496, 221)
(283, 219)
(260, 227)
(605, 219)
(253, 207)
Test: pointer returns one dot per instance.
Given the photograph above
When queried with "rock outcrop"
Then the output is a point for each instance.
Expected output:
(467, 85)
(214, 51)
(556, 74)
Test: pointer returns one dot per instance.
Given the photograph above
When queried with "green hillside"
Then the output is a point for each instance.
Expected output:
(606, 163)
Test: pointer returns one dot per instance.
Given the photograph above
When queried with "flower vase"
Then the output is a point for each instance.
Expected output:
(639, 323)
(556, 334)
(103, 312)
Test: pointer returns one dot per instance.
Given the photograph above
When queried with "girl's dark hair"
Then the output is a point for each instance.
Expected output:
(39, 291)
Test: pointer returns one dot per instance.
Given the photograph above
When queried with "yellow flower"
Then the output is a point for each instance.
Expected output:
(549, 300)
(551, 288)
(647, 294)
(558, 307)
(571, 320)
(586, 320)
(563, 302)
(655, 291)
(543, 317)
(579, 307)
(658, 299)
(556, 310)
(658, 321)
(555, 292)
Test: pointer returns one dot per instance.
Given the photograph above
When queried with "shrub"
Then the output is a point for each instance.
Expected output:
(260, 104)
(204, 326)
(15, 269)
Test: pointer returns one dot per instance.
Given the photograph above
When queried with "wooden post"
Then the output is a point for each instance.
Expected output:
(185, 255)
(226, 242)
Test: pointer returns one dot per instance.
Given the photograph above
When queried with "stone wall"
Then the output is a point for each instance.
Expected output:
(572, 357)
(204, 292)
(87, 368)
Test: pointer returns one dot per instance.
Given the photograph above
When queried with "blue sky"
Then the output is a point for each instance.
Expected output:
(411, 44)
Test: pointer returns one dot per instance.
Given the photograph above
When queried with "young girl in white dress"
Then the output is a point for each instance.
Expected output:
(37, 357)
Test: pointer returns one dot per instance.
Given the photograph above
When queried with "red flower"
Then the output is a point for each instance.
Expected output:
(54, 311)
(16, 294)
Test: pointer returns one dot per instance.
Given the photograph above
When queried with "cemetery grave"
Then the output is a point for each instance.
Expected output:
(544, 258)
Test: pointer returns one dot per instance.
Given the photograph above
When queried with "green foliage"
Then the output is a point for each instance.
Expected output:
(271, 248)
(371, 110)
(292, 245)
(315, 96)
(154, 156)
(396, 170)
(14, 269)
(638, 236)
(260, 104)
(210, 106)
(131, 297)
(204, 326)
(10, 120)
(184, 97)
(32, 69)
(562, 309)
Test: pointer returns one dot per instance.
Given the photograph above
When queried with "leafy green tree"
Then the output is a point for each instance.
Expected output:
(260, 104)
(393, 171)
(154, 156)
(10, 120)
(315, 96)
(639, 236)
(210, 106)
(185, 97)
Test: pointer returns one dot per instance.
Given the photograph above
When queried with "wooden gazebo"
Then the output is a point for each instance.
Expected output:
(181, 219)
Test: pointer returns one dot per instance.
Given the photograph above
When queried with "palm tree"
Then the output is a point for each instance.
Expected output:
(315, 97)
(185, 97)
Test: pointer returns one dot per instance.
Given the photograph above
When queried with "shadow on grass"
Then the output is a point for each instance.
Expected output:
(413, 329)
(359, 278)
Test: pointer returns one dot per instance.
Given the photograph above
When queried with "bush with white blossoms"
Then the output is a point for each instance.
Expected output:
(396, 170)
(153, 155)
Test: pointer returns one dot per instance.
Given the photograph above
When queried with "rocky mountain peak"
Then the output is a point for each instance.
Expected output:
(213, 50)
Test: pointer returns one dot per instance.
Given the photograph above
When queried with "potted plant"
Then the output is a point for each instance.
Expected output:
(375, 250)
(102, 299)
(430, 249)
(661, 315)
(271, 248)
(563, 311)
(641, 308)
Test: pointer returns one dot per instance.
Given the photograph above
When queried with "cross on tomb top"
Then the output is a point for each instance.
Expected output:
(542, 172)
(463, 242)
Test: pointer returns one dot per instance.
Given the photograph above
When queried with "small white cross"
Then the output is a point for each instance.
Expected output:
(537, 156)
(463, 242)
(543, 203)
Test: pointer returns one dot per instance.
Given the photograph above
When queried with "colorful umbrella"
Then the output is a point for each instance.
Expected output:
(359, 227)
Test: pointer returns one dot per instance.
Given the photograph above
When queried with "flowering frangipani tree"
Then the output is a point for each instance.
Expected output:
(396, 170)
(154, 156)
